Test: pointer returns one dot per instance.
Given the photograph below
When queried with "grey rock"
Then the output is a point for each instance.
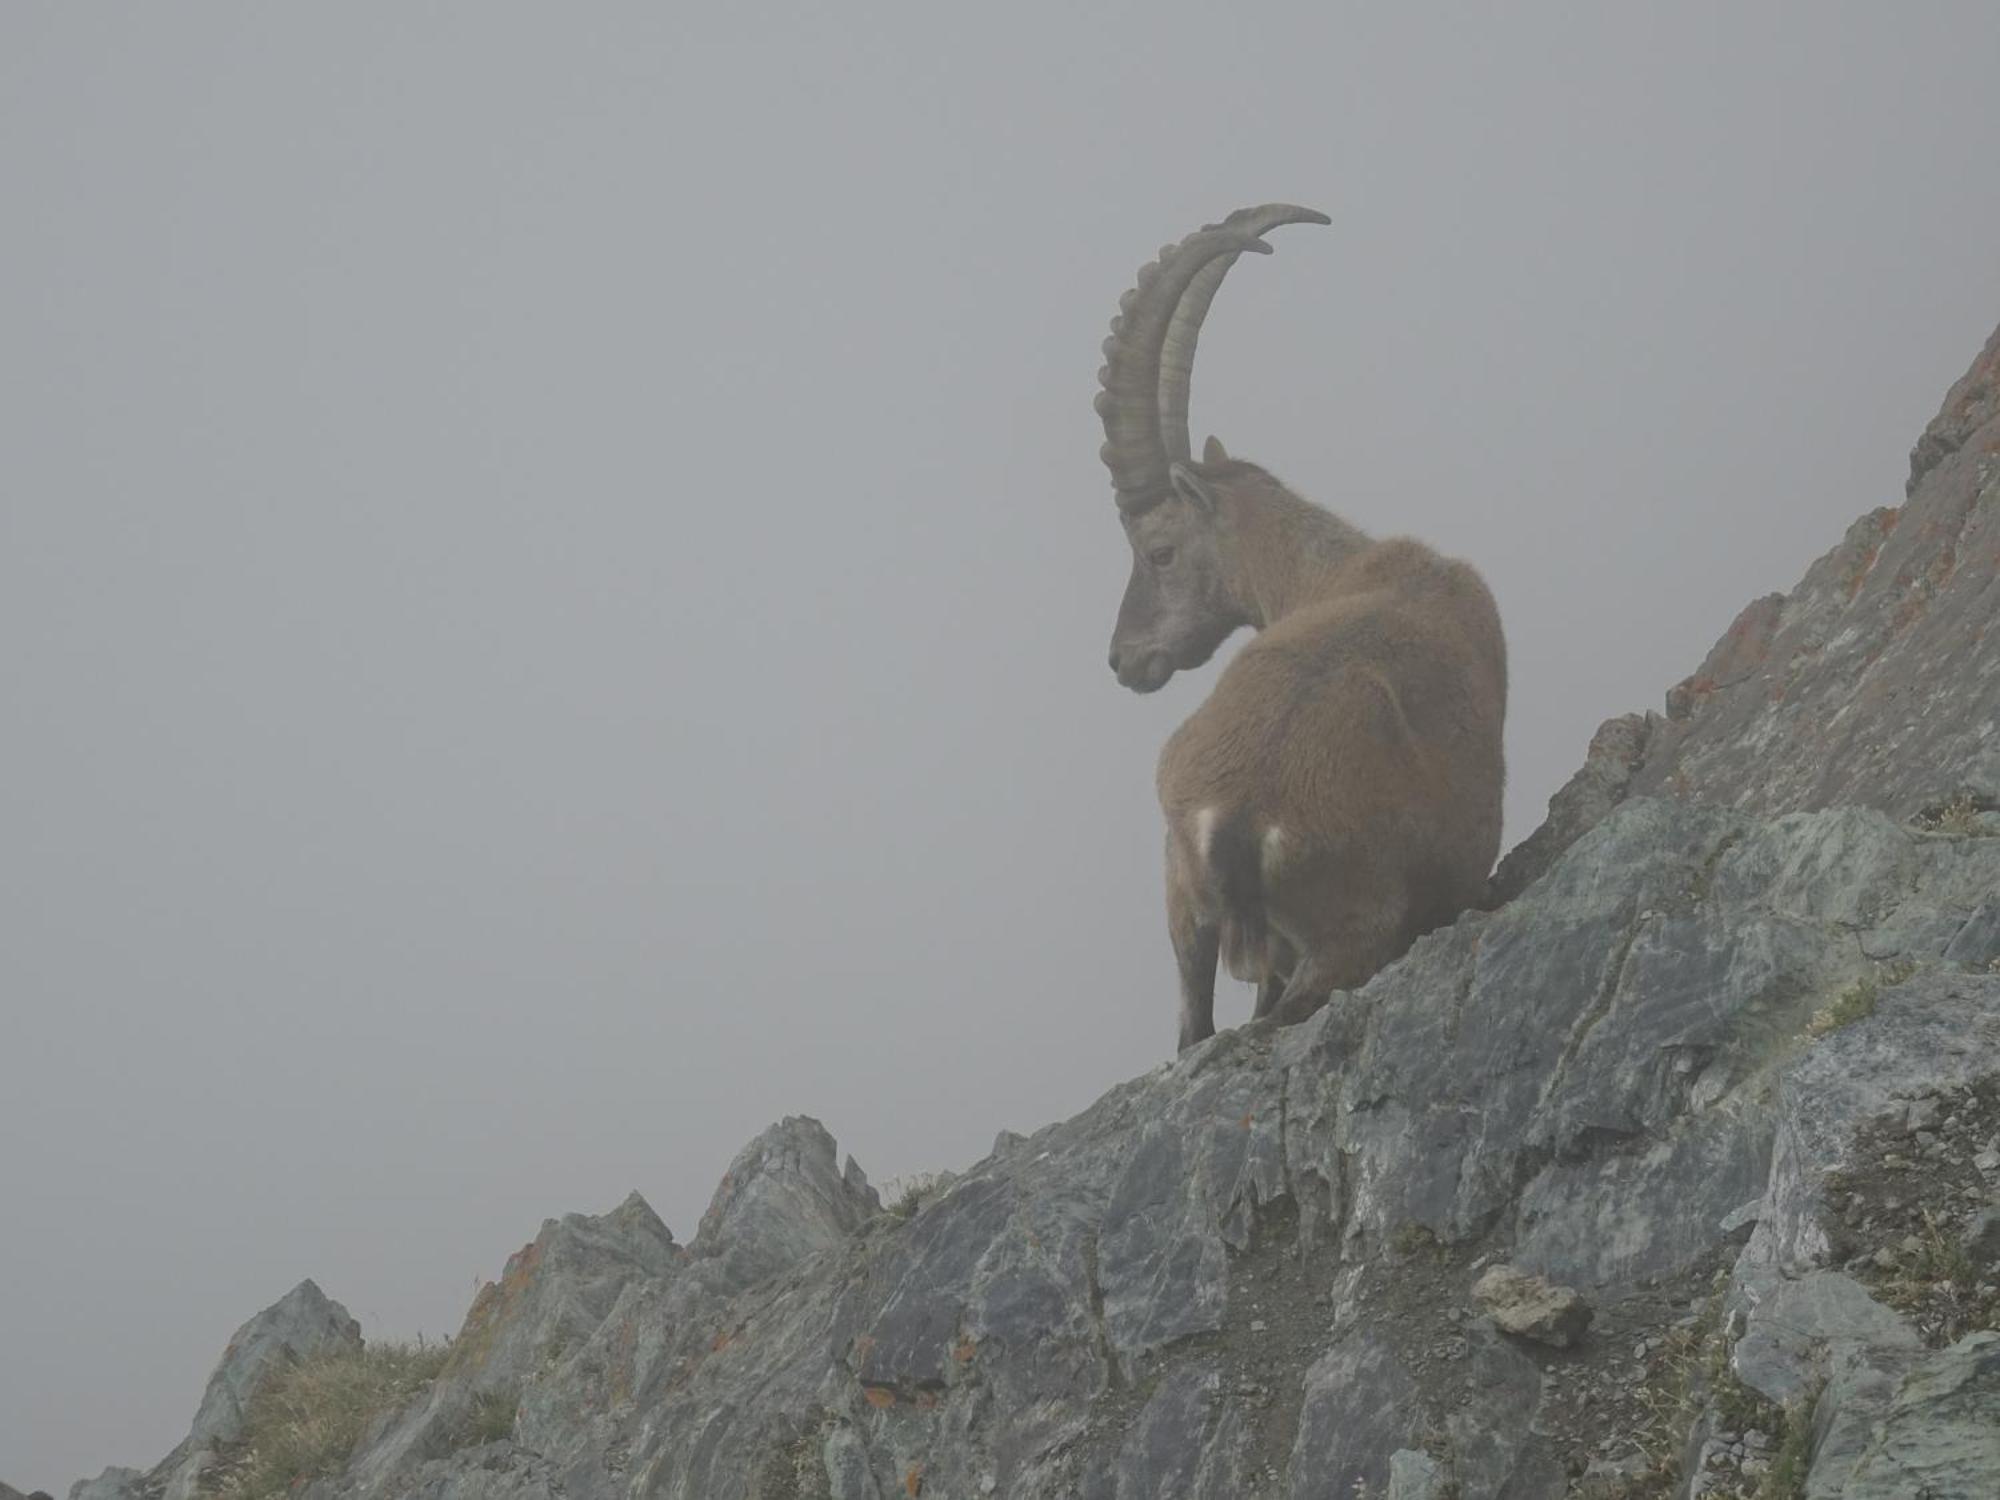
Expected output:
(1415, 1475)
(1861, 1381)
(111, 1484)
(1792, 1326)
(300, 1324)
(1359, 1409)
(1532, 1306)
(1939, 1435)
(1981, 1239)
(555, 1297)
(1600, 784)
(1587, 1082)
(783, 1198)
(1869, 684)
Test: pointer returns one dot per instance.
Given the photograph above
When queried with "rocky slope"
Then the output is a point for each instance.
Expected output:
(1675, 1175)
(1872, 683)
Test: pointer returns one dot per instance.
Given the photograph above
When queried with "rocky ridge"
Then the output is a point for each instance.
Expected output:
(1717, 1090)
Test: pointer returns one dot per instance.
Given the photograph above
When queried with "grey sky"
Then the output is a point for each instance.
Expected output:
(554, 574)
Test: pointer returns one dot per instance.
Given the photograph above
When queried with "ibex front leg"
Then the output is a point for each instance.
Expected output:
(1197, 944)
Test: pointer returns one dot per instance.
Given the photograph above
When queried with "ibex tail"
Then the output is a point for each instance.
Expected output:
(1235, 865)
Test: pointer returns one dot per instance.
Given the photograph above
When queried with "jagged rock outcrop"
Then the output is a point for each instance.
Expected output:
(1728, 1065)
(1872, 683)
(300, 1325)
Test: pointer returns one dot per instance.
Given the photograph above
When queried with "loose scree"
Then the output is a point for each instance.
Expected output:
(1339, 792)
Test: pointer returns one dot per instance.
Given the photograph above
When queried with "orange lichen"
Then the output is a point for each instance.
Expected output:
(913, 1482)
(879, 1396)
(964, 1349)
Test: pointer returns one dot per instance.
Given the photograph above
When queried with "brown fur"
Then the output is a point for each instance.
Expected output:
(1363, 723)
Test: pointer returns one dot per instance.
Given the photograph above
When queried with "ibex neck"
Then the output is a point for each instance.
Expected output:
(1287, 553)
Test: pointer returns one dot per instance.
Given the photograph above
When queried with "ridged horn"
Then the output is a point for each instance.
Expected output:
(1149, 356)
(1177, 354)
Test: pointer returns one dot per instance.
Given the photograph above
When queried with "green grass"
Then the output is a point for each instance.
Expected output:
(489, 1419)
(1413, 1239)
(1786, 1478)
(1857, 1002)
(908, 1194)
(305, 1420)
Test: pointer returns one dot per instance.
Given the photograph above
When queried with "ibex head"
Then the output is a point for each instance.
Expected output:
(1179, 605)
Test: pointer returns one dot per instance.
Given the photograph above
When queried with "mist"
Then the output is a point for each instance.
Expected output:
(555, 576)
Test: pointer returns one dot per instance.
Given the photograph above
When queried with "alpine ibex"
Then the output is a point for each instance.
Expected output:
(1338, 794)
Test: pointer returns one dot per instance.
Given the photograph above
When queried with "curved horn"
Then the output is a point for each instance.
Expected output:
(1177, 355)
(1129, 400)
(1149, 356)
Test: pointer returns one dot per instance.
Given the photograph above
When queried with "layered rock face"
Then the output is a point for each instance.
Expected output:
(1709, 1112)
(1872, 683)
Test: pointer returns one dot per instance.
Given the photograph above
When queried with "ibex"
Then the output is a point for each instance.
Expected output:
(1338, 795)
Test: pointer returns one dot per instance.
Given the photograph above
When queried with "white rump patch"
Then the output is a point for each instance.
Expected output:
(1273, 847)
(1204, 831)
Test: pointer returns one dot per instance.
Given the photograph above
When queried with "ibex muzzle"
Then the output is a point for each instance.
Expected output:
(1339, 792)
(1177, 607)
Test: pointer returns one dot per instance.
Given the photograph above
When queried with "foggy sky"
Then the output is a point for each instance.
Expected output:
(555, 577)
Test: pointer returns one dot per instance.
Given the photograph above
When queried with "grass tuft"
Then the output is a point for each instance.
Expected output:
(1857, 1002)
(905, 1195)
(305, 1420)
(1786, 1478)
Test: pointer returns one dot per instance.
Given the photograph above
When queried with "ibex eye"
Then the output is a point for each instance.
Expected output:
(1159, 557)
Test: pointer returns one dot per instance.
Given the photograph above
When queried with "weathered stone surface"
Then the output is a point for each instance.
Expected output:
(1193, 1286)
(1202, 1284)
(554, 1294)
(1872, 683)
(1600, 784)
(1939, 1437)
(1532, 1307)
(1794, 1327)
(112, 1484)
(783, 1199)
(299, 1325)
(1981, 1240)
(1360, 1408)
(1415, 1475)
(302, 1323)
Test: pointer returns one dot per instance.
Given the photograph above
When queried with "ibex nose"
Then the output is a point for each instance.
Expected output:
(1114, 658)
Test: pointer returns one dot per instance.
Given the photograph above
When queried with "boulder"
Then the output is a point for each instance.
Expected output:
(1532, 1307)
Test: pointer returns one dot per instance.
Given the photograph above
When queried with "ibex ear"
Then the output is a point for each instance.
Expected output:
(1211, 451)
(1192, 488)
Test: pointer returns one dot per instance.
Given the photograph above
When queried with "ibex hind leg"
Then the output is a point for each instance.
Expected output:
(1344, 955)
(1197, 938)
(1279, 963)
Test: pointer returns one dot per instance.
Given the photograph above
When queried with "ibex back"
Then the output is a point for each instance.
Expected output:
(1338, 795)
